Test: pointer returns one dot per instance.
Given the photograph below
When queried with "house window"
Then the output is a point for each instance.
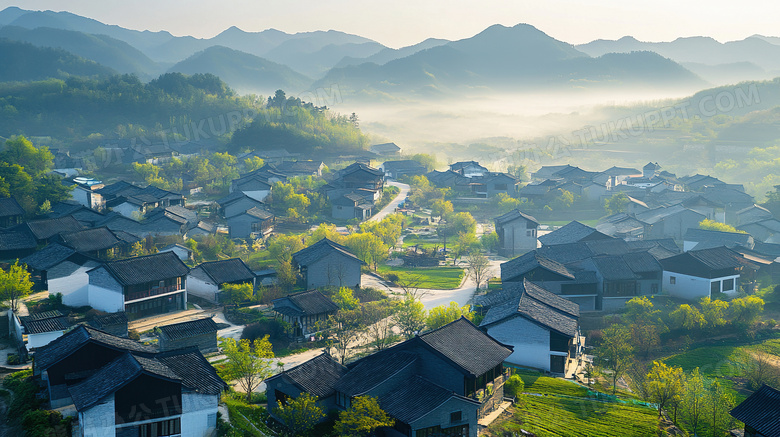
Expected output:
(672, 279)
(456, 416)
(728, 285)
(500, 187)
(160, 429)
(211, 420)
(529, 233)
(715, 287)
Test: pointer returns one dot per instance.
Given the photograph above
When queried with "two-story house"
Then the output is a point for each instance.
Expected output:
(327, 263)
(517, 233)
(140, 286)
(207, 279)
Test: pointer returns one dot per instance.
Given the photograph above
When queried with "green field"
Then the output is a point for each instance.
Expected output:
(536, 383)
(435, 278)
(548, 416)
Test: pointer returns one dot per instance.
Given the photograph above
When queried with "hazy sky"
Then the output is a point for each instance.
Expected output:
(398, 23)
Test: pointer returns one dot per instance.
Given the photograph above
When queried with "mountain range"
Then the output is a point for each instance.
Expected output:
(497, 59)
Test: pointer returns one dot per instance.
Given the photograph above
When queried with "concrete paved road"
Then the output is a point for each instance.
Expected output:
(390, 208)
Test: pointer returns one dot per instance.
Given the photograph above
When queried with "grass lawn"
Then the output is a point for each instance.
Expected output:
(555, 416)
(435, 278)
(537, 383)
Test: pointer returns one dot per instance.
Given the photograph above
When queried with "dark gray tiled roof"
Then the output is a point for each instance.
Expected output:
(317, 376)
(614, 268)
(529, 261)
(149, 268)
(513, 215)
(319, 250)
(539, 306)
(416, 397)
(642, 262)
(609, 246)
(19, 239)
(308, 302)
(10, 207)
(108, 320)
(761, 411)
(227, 271)
(259, 213)
(708, 238)
(44, 229)
(195, 372)
(46, 325)
(717, 258)
(571, 233)
(188, 329)
(373, 370)
(72, 340)
(47, 257)
(88, 240)
(115, 375)
(566, 253)
(466, 346)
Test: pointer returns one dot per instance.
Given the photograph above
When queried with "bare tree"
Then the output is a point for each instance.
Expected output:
(759, 369)
(410, 284)
(379, 321)
(346, 328)
(478, 267)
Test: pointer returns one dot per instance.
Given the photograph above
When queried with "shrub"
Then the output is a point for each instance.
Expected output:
(24, 389)
(514, 386)
(133, 335)
(274, 328)
(45, 423)
(243, 316)
(12, 359)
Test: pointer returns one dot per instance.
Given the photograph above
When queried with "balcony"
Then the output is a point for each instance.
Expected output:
(157, 291)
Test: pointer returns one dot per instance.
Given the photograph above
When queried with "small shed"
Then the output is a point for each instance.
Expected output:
(201, 333)
(37, 330)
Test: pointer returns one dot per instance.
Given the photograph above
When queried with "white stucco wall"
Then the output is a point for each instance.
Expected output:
(98, 421)
(202, 288)
(531, 342)
(106, 300)
(74, 288)
(196, 409)
(42, 339)
(693, 287)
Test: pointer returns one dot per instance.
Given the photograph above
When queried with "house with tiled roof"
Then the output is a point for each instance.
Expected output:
(98, 242)
(17, 242)
(752, 214)
(437, 383)
(696, 238)
(255, 185)
(406, 167)
(112, 323)
(120, 387)
(63, 270)
(44, 230)
(305, 311)
(207, 279)
(200, 333)
(517, 232)
(130, 200)
(542, 327)
(669, 222)
(37, 330)
(183, 252)
(765, 231)
(760, 413)
(327, 263)
(257, 222)
(623, 277)
(11, 213)
(386, 149)
(469, 169)
(573, 232)
(236, 203)
(350, 206)
(696, 274)
(140, 286)
(301, 168)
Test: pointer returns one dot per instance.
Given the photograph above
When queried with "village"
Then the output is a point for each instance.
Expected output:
(381, 294)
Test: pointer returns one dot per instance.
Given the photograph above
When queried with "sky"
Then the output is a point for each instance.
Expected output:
(398, 23)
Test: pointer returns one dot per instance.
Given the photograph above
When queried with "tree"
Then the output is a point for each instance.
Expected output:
(712, 225)
(236, 293)
(616, 204)
(714, 312)
(758, 368)
(354, 121)
(444, 314)
(640, 310)
(745, 311)
(664, 384)
(253, 163)
(428, 161)
(514, 386)
(50, 187)
(362, 418)
(410, 316)
(15, 284)
(368, 248)
(346, 327)
(490, 241)
(282, 247)
(441, 208)
(410, 284)
(478, 267)
(300, 415)
(35, 160)
(720, 403)
(645, 337)
(285, 275)
(615, 351)
(688, 317)
(462, 222)
(379, 322)
(694, 400)
(249, 363)
(345, 299)
(464, 244)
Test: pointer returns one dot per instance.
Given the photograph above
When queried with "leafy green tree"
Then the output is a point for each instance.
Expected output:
(441, 208)
(505, 203)
(248, 363)
(282, 247)
(745, 311)
(646, 337)
(378, 316)
(35, 160)
(514, 386)
(464, 244)
(720, 402)
(325, 230)
(712, 225)
(300, 415)
(688, 317)
(50, 187)
(444, 314)
(616, 204)
(368, 248)
(286, 275)
(362, 418)
(410, 316)
(490, 241)
(428, 161)
(15, 284)
(640, 310)
(345, 299)
(615, 351)
(664, 385)
(462, 222)
(714, 312)
(694, 401)
(236, 293)
(346, 328)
